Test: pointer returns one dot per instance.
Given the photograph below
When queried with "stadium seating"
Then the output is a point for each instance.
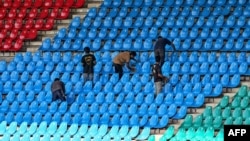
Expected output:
(116, 109)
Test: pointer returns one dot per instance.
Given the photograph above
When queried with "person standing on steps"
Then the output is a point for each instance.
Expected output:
(159, 48)
(159, 79)
(88, 63)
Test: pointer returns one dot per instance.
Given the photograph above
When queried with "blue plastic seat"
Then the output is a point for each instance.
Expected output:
(18, 86)
(19, 118)
(123, 10)
(72, 129)
(175, 67)
(56, 44)
(162, 110)
(11, 66)
(148, 21)
(47, 57)
(61, 34)
(82, 34)
(46, 44)
(27, 117)
(86, 22)
(10, 97)
(118, 21)
(63, 107)
(71, 33)
(14, 107)
(128, 21)
(144, 134)
(67, 118)
(174, 31)
(7, 88)
(67, 44)
(92, 12)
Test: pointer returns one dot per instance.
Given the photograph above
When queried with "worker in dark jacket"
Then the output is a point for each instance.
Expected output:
(159, 48)
(58, 90)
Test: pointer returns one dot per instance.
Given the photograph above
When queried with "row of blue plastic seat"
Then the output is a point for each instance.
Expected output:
(154, 11)
(199, 44)
(171, 27)
(205, 68)
(212, 45)
(58, 116)
(212, 57)
(182, 22)
(208, 90)
(45, 71)
(87, 118)
(107, 56)
(193, 11)
(132, 3)
(48, 131)
(226, 80)
(69, 57)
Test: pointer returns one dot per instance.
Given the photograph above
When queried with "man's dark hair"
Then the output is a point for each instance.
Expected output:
(157, 59)
(57, 79)
(87, 49)
(133, 53)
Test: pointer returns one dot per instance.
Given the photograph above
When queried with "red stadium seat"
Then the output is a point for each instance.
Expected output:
(29, 24)
(27, 3)
(17, 4)
(38, 3)
(13, 34)
(44, 24)
(3, 33)
(9, 24)
(23, 34)
(53, 13)
(6, 44)
(22, 13)
(64, 13)
(48, 24)
(2, 13)
(47, 3)
(32, 13)
(18, 23)
(78, 3)
(68, 3)
(7, 3)
(12, 13)
(58, 3)
(17, 45)
(39, 24)
(43, 13)
(31, 34)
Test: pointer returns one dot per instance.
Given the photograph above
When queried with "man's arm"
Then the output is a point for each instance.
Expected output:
(129, 67)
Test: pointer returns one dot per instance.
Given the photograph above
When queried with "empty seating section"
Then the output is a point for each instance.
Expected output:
(210, 39)
(21, 20)
(185, 24)
(209, 124)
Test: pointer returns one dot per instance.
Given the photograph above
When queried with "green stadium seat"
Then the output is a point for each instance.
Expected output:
(244, 102)
(242, 91)
(224, 102)
(236, 102)
(226, 113)
(188, 121)
(168, 134)
(237, 113)
(198, 121)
